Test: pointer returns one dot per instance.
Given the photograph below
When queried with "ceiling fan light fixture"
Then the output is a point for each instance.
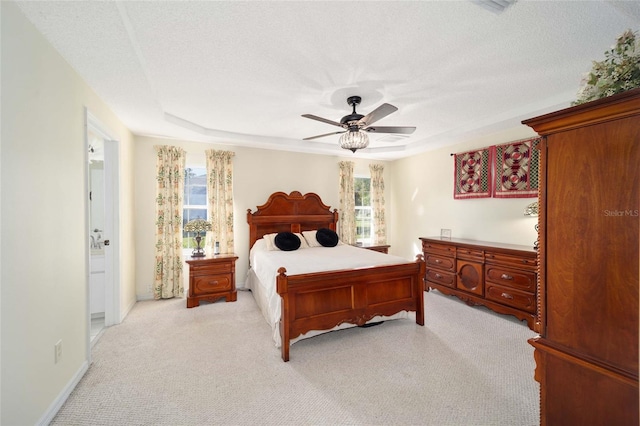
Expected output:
(495, 6)
(354, 140)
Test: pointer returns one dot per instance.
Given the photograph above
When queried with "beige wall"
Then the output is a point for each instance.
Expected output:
(257, 173)
(44, 244)
(422, 198)
(419, 194)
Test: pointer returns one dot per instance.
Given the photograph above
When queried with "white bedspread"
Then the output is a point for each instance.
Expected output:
(261, 279)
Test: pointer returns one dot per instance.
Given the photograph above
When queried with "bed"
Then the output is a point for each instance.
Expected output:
(313, 297)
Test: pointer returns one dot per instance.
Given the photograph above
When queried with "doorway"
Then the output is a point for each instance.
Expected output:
(103, 286)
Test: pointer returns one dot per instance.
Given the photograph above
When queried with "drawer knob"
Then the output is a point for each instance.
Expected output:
(438, 276)
(438, 261)
(507, 296)
(506, 277)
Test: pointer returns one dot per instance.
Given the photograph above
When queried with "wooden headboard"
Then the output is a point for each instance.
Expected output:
(290, 213)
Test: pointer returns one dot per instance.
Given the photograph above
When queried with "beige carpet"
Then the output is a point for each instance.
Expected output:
(216, 364)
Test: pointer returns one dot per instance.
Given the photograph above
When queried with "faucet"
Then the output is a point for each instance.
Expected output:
(96, 241)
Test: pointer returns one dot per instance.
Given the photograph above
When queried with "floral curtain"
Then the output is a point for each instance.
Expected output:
(170, 166)
(220, 194)
(377, 204)
(347, 217)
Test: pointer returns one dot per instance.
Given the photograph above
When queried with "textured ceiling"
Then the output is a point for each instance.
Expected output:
(242, 73)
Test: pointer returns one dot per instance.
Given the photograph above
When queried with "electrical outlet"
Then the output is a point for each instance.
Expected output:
(58, 351)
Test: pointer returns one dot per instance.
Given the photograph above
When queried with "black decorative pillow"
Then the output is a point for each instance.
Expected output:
(287, 241)
(327, 237)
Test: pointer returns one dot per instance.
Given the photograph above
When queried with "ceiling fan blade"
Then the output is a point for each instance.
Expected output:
(378, 113)
(322, 136)
(391, 129)
(324, 120)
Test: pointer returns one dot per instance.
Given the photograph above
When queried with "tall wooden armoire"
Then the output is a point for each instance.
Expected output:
(587, 352)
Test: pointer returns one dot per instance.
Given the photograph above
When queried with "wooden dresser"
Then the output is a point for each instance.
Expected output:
(212, 278)
(587, 352)
(501, 277)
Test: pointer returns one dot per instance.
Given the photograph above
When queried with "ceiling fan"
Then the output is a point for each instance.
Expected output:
(355, 125)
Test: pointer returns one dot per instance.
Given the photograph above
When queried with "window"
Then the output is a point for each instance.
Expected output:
(195, 200)
(362, 190)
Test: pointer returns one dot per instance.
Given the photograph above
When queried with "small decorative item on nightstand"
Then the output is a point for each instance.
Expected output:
(198, 226)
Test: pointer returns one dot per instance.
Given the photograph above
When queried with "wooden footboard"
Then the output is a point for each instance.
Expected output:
(324, 300)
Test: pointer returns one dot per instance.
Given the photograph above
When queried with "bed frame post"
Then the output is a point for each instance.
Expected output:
(420, 295)
(332, 226)
(282, 288)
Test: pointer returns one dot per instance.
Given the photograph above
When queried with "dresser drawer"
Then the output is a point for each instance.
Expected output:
(518, 279)
(530, 263)
(469, 254)
(210, 283)
(510, 297)
(438, 261)
(439, 277)
(210, 268)
(436, 248)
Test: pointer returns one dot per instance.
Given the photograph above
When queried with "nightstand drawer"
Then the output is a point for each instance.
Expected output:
(210, 268)
(210, 283)
(383, 248)
(511, 297)
(440, 277)
(521, 280)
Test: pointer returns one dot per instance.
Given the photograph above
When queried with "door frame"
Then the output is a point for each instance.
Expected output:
(112, 231)
(112, 223)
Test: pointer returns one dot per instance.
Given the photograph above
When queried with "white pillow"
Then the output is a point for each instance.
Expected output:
(260, 245)
(310, 237)
(269, 239)
(271, 245)
(303, 241)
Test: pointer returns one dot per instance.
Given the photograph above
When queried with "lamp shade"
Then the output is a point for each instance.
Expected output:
(354, 140)
(197, 226)
(531, 209)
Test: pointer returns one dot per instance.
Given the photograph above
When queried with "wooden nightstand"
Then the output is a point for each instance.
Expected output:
(212, 278)
(382, 248)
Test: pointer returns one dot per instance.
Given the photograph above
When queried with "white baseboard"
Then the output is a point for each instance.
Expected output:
(55, 406)
(124, 314)
(142, 297)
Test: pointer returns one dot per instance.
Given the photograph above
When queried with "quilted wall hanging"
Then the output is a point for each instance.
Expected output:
(472, 174)
(516, 167)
